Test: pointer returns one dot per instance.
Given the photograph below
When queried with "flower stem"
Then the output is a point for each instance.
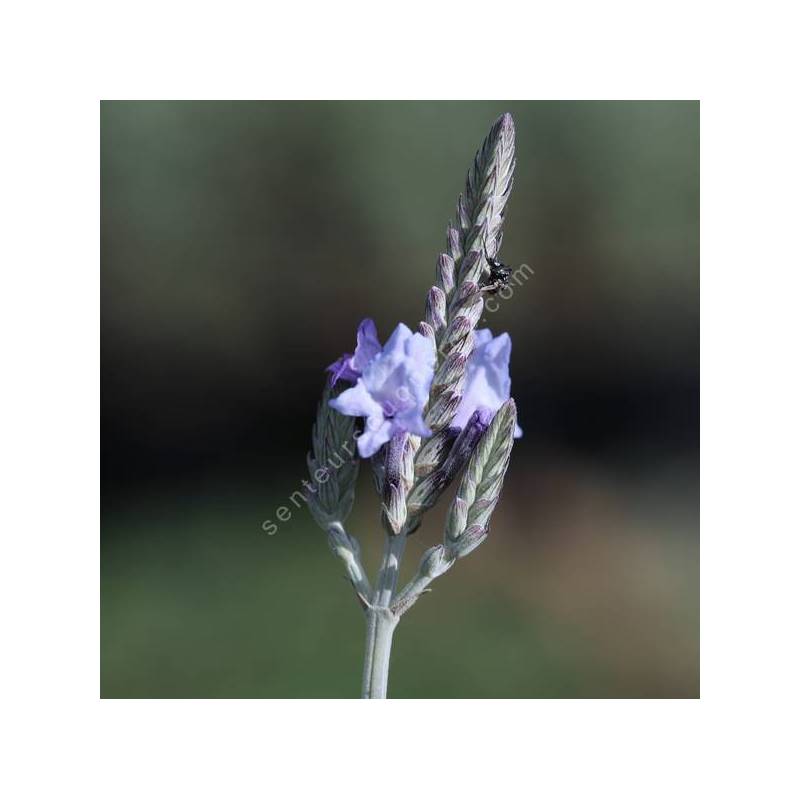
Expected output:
(381, 621)
(390, 570)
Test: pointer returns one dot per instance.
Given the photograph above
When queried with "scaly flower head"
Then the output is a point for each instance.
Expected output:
(488, 383)
(392, 385)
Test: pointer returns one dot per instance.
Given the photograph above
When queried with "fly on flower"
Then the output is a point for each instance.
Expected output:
(499, 275)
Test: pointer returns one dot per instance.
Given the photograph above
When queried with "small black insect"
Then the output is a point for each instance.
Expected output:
(499, 275)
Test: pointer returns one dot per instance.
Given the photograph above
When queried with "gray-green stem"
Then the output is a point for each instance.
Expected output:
(415, 588)
(382, 621)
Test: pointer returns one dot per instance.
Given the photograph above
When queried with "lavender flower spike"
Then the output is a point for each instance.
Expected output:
(393, 389)
(436, 406)
(488, 384)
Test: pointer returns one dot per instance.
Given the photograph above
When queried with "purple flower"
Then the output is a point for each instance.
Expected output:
(488, 384)
(350, 366)
(392, 385)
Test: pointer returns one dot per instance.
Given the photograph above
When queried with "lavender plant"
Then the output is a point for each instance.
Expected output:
(426, 408)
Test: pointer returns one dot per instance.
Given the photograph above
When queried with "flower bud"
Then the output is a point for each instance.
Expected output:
(433, 452)
(426, 492)
(473, 309)
(394, 510)
(459, 338)
(453, 243)
(456, 519)
(436, 309)
(410, 446)
(462, 213)
(481, 510)
(435, 562)
(466, 442)
(471, 267)
(445, 273)
(451, 370)
(473, 536)
(346, 548)
(466, 292)
(443, 410)
(427, 332)
(455, 333)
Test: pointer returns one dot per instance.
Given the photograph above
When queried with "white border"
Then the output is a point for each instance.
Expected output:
(58, 60)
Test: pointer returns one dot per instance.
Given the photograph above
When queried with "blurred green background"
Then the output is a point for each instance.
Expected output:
(241, 244)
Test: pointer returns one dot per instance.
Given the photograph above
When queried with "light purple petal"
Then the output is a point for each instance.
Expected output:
(401, 375)
(393, 387)
(351, 365)
(395, 347)
(367, 345)
(341, 370)
(422, 355)
(488, 383)
(482, 336)
(356, 402)
(412, 422)
(388, 384)
(374, 437)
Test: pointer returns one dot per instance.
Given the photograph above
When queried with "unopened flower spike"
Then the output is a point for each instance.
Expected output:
(428, 408)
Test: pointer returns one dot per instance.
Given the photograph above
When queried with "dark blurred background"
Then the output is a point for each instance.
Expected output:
(241, 244)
